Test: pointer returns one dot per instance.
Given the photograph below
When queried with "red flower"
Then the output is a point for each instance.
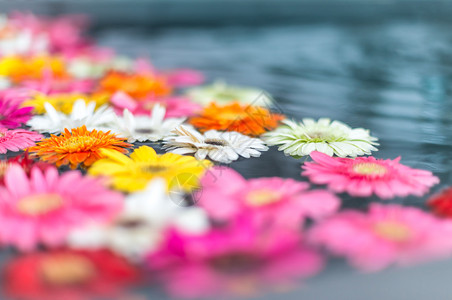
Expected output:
(441, 203)
(68, 275)
(24, 161)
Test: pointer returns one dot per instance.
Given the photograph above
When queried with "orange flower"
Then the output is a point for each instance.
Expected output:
(18, 68)
(78, 146)
(249, 120)
(135, 85)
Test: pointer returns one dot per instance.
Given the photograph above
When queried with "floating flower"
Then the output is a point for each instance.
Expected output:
(50, 85)
(78, 146)
(249, 120)
(223, 147)
(184, 77)
(300, 139)
(17, 139)
(238, 260)
(176, 107)
(11, 116)
(223, 94)
(387, 234)
(61, 102)
(82, 114)
(364, 176)
(284, 203)
(19, 68)
(134, 173)
(68, 274)
(141, 225)
(135, 85)
(24, 161)
(92, 68)
(45, 207)
(441, 203)
(141, 128)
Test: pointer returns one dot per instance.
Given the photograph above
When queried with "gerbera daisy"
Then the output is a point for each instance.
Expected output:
(176, 107)
(300, 139)
(223, 147)
(141, 225)
(385, 235)
(45, 207)
(230, 261)
(94, 68)
(61, 102)
(24, 161)
(81, 114)
(11, 116)
(249, 120)
(441, 203)
(141, 128)
(20, 68)
(69, 274)
(134, 173)
(284, 203)
(221, 93)
(17, 139)
(184, 77)
(135, 85)
(364, 176)
(78, 146)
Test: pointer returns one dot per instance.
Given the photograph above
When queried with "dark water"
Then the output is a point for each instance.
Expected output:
(392, 78)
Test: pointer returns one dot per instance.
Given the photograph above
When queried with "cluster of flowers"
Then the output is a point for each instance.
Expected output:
(102, 207)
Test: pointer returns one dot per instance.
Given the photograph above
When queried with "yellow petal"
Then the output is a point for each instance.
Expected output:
(144, 154)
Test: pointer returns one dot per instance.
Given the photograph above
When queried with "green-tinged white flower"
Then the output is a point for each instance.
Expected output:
(221, 93)
(332, 138)
(83, 68)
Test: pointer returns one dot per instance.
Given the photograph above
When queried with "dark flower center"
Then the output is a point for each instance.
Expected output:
(215, 142)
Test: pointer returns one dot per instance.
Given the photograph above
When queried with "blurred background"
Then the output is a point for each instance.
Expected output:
(378, 64)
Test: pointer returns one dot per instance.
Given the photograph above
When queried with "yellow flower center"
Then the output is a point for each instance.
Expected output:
(67, 270)
(77, 143)
(35, 205)
(392, 231)
(262, 197)
(369, 169)
(153, 168)
(231, 115)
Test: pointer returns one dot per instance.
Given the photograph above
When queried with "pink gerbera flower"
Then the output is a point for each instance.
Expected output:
(11, 115)
(176, 107)
(184, 77)
(44, 207)
(238, 259)
(386, 234)
(364, 176)
(282, 202)
(51, 85)
(17, 139)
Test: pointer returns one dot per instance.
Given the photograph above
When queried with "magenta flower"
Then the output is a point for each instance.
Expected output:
(282, 202)
(176, 107)
(385, 235)
(234, 260)
(44, 207)
(17, 139)
(11, 115)
(364, 176)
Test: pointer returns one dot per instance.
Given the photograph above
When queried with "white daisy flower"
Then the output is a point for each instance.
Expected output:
(54, 121)
(144, 128)
(223, 147)
(332, 138)
(221, 93)
(4, 83)
(84, 67)
(140, 226)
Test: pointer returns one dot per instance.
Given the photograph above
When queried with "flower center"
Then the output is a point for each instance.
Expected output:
(130, 223)
(215, 142)
(78, 143)
(318, 136)
(144, 130)
(235, 263)
(35, 205)
(392, 231)
(262, 197)
(369, 169)
(67, 270)
(232, 115)
(153, 168)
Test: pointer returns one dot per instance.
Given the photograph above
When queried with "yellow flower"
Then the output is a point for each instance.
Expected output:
(61, 102)
(18, 68)
(144, 164)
